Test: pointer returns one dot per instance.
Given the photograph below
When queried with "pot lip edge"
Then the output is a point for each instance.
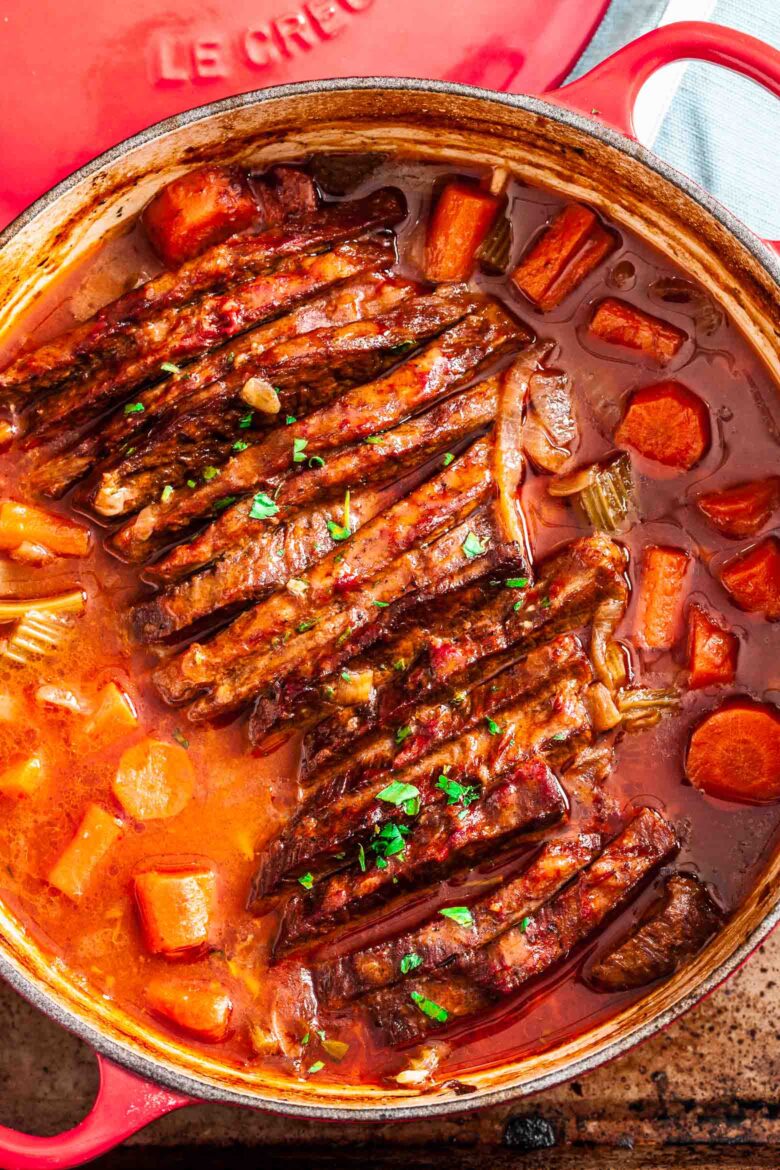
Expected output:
(604, 132)
(158, 1072)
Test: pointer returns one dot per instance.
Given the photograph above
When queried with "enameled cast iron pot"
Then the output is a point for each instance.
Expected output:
(578, 141)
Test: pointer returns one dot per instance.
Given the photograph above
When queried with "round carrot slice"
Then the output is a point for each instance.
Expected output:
(154, 780)
(735, 753)
(667, 423)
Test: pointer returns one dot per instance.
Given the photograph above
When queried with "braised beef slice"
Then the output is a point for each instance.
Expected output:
(676, 930)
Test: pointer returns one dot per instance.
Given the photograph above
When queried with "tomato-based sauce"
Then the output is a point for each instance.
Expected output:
(240, 797)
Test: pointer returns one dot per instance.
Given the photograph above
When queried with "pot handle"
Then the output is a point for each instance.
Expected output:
(124, 1104)
(609, 91)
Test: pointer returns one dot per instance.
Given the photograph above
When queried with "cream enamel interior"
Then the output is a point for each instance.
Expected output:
(545, 148)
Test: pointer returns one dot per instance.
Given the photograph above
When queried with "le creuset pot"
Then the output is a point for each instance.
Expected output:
(577, 140)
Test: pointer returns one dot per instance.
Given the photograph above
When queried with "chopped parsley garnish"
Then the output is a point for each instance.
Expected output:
(402, 733)
(398, 793)
(225, 502)
(362, 858)
(545, 603)
(373, 439)
(263, 507)
(410, 962)
(391, 840)
(240, 445)
(343, 636)
(464, 794)
(318, 1066)
(381, 604)
(399, 664)
(246, 420)
(170, 368)
(210, 473)
(434, 1011)
(516, 583)
(299, 447)
(517, 605)
(338, 531)
(305, 1039)
(166, 493)
(493, 727)
(316, 461)
(525, 923)
(305, 625)
(191, 483)
(448, 458)
(346, 676)
(306, 880)
(459, 914)
(180, 739)
(290, 420)
(134, 408)
(473, 546)
(559, 736)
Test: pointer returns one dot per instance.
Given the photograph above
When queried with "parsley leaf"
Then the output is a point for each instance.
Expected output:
(305, 625)
(373, 439)
(225, 502)
(262, 507)
(134, 408)
(316, 461)
(166, 493)
(390, 841)
(473, 546)
(290, 420)
(317, 1066)
(240, 445)
(516, 583)
(306, 880)
(459, 914)
(398, 793)
(381, 604)
(410, 962)
(191, 483)
(362, 858)
(210, 473)
(448, 458)
(338, 531)
(299, 447)
(464, 794)
(525, 923)
(427, 1006)
(170, 368)
(493, 727)
(402, 733)
(245, 420)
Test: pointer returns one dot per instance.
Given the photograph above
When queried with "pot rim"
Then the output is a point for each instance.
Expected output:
(185, 1083)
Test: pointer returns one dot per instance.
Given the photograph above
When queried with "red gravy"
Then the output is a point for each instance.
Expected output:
(240, 799)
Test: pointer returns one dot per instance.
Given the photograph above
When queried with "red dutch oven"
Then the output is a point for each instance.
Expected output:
(577, 140)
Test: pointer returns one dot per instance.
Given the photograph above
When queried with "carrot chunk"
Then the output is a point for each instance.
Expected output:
(712, 651)
(94, 837)
(22, 779)
(114, 716)
(197, 210)
(753, 580)
(735, 753)
(660, 596)
(742, 510)
(25, 524)
(569, 248)
(154, 780)
(667, 423)
(202, 1009)
(462, 218)
(622, 324)
(175, 909)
